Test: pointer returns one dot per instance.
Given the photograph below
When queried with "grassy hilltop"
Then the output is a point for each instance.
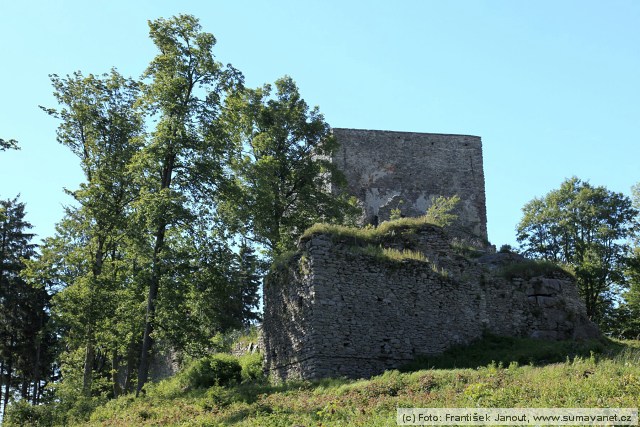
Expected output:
(496, 372)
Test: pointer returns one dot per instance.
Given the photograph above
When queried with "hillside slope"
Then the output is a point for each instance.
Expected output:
(524, 373)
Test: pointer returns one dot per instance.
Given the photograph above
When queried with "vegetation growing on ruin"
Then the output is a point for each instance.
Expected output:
(390, 254)
(533, 268)
(467, 250)
(439, 214)
(367, 240)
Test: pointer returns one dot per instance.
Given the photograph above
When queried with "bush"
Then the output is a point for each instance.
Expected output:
(21, 413)
(219, 369)
(251, 364)
(506, 249)
(226, 369)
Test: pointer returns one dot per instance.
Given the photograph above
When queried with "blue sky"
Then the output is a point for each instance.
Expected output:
(553, 88)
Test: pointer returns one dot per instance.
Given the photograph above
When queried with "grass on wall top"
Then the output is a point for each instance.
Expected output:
(439, 214)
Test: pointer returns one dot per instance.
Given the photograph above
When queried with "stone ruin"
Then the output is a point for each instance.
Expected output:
(402, 170)
(333, 309)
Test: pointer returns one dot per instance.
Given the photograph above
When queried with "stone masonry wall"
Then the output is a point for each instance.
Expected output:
(387, 170)
(334, 311)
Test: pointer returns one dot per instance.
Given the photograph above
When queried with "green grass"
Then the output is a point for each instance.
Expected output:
(564, 374)
(368, 234)
(533, 268)
(466, 250)
(507, 350)
(438, 214)
(390, 254)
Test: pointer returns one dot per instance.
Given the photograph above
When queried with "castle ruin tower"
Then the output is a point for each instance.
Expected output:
(388, 170)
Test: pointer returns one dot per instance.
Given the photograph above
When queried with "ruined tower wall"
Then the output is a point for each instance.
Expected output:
(333, 310)
(387, 170)
(339, 308)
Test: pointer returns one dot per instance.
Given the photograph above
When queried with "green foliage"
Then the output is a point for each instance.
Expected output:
(251, 364)
(506, 249)
(143, 221)
(27, 340)
(100, 122)
(395, 214)
(219, 369)
(281, 167)
(439, 214)
(533, 268)
(229, 341)
(282, 259)
(563, 375)
(22, 413)
(585, 227)
(441, 210)
(241, 340)
(623, 321)
(180, 168)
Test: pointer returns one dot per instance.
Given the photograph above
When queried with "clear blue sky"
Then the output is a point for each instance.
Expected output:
(552, 87)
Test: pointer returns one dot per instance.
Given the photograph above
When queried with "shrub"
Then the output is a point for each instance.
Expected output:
(251, 364)
(506, 249)
(219, 369)
(21, 413)
(226, 369)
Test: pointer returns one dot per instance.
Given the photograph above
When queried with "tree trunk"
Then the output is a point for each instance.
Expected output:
(147, 341)
(36, 367)
(89, 357)
(7, 384)
(115, 367)
(132, 350)
(154, 282)
(24, 388)
(1, 384)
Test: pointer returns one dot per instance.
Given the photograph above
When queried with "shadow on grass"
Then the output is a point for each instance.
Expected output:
(524, 351)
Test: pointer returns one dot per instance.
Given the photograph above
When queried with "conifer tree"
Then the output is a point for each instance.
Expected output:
(25, 342)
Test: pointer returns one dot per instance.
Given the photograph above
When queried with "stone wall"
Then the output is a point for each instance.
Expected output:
(332, 310)
(388, 170)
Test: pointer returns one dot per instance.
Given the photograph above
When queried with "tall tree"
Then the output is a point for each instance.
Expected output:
(184, 93)
(100, 124)
(248, 279)
(25, 344)
(281, 167)
(626, 317)
(585, 227)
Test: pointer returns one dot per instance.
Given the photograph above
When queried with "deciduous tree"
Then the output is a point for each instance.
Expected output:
(585, 227)
(282, 169)
(102, 126)
(183, 160)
